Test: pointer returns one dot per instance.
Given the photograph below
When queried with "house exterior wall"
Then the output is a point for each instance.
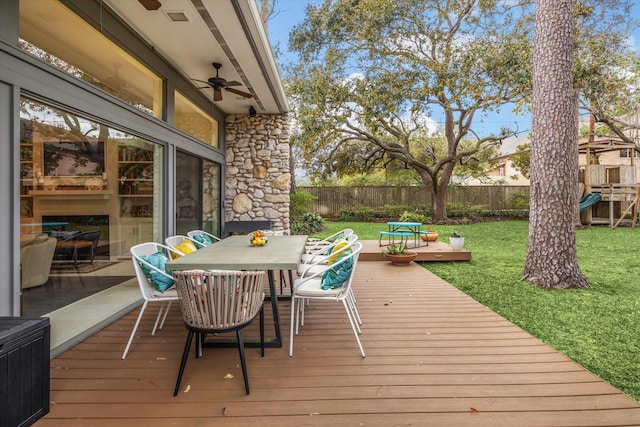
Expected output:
(24, 75)
(257, 177)
(510, 174)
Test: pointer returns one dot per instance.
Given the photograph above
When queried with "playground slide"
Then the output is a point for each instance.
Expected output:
(589, 199)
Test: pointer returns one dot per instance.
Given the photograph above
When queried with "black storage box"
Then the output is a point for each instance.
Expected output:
(24, 370)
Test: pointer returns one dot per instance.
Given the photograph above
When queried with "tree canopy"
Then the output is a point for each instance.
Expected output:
(404, 80)
(384, 81)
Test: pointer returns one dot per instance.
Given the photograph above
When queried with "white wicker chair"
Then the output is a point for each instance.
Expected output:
(217, 302)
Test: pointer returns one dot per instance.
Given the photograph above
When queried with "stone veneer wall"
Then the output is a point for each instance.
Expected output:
(258, 177)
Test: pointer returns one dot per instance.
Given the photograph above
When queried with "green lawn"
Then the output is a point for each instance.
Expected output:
(598, 328)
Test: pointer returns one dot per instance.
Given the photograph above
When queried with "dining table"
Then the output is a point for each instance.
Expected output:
(236, 253)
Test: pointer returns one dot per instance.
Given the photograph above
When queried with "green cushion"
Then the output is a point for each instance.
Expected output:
(157, 280)
(337, 275)
(203, 238)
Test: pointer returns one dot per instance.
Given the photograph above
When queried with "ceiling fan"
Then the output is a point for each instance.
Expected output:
(218, 83)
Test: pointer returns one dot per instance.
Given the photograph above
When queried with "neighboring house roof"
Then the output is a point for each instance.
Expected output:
(510, 145)
(229, 32)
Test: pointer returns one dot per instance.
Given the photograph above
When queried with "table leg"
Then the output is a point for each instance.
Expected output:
(274, 342)
(274, 308)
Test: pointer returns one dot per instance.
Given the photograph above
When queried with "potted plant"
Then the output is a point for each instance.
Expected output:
(456, 239)
(430, 236)
(398, 255)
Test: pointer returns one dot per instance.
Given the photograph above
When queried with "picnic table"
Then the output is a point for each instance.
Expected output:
(402, 231)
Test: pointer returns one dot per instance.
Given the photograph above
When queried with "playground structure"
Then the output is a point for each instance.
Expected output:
(609, 174)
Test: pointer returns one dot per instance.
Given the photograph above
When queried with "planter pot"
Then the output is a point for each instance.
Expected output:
(432, 236)
(401, 259)
(456, 243)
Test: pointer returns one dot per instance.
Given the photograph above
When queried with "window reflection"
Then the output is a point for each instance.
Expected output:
(53, 33)
(92, 188)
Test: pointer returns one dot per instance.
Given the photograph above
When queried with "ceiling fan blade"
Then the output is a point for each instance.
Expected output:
(200, 81)
(239, 92)
(217, 94)
(232, 83)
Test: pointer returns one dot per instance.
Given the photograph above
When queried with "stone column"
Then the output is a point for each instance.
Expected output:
(258, 177)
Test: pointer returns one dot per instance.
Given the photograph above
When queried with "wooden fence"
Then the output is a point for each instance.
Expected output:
(329, 201)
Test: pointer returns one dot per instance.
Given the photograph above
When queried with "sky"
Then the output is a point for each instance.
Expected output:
(292, 12)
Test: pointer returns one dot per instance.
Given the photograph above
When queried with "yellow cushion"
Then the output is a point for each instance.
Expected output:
(186, 247)
(338, 250)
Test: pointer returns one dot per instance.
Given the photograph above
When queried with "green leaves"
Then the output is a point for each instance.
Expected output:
(369, 70)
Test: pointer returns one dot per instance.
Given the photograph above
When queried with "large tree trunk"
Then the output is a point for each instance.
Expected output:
(438, 202)
(438, 190)
(551, 257)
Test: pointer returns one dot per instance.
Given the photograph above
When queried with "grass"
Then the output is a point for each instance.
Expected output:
(598, 328)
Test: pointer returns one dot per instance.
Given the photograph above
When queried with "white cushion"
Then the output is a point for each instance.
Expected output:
(309, 270)
(312, 288)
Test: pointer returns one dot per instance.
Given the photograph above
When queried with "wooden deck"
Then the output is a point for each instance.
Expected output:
(435, 251)
(434, 357)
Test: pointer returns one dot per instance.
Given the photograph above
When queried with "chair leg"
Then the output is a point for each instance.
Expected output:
(158, 317)
(75, 255)
(243, 362)
(200, 337)
(135, 328)
(293, 314)
(354, 310)
(301, 313)
(185, 356)
(165, 314)
(353, 325)
(262, 332)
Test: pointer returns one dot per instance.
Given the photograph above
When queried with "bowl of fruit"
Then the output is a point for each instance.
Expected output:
(258, 238)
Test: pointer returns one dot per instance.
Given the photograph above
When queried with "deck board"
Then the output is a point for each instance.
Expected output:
(434, 357)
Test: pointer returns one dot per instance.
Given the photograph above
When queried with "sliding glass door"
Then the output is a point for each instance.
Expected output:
(197, 194)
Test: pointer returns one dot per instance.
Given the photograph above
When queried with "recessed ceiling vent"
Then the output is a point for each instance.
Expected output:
(177, 16)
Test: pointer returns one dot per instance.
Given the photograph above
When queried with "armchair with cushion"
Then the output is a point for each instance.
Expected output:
(182, 245)
(35, 261)
(203, 237)
(156, 285)
(330, 284)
